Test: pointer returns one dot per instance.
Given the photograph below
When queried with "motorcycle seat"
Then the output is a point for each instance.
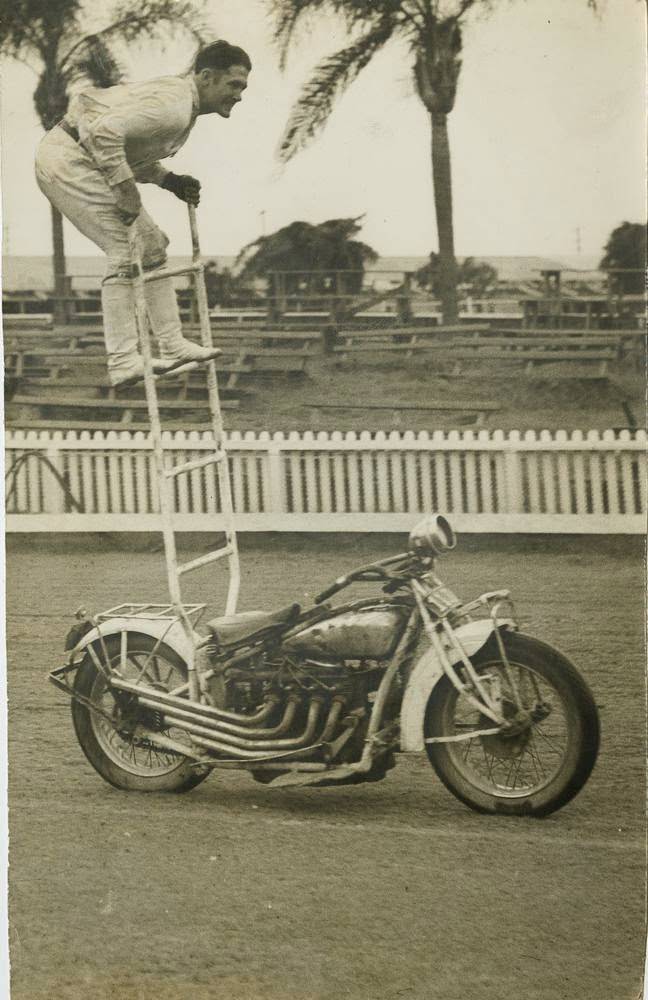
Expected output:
(234, 628)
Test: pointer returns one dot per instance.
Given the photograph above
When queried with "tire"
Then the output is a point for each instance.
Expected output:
(540, 769)
(114, 755)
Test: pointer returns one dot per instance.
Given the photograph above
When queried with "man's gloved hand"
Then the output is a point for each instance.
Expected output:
(183, 186)
(128, 201)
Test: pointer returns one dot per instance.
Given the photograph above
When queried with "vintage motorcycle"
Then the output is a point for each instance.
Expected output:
(330, 694)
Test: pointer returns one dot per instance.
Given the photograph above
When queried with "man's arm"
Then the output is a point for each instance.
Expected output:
(128, 201)
(153, 112)
(153, 174)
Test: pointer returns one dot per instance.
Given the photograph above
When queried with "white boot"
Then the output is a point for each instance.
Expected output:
(164, 316)
(120, 332)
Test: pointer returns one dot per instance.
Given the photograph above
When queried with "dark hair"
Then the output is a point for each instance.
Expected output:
(221, 55)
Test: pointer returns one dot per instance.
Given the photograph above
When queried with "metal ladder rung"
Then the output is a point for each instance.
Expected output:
(198, 463)
(171, 272)
(226, 550)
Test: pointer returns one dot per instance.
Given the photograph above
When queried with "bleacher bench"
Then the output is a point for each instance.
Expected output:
(473, 410)
(405, 340)
(126, 408)
(593, 363)
(181, 386)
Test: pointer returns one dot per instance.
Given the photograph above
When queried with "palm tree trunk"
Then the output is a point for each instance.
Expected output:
(442, 182)
(58, 262)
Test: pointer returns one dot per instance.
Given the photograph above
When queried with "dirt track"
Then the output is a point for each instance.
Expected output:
(388, 891)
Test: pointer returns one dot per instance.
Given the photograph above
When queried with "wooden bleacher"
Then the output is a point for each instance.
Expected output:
(472, 411)
(57, 377)
(254, 351)
(404, 340)
(576, 353)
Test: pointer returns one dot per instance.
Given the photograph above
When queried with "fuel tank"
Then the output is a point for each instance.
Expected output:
(365, 632)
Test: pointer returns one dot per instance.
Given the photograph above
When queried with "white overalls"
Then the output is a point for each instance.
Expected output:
(123, 133)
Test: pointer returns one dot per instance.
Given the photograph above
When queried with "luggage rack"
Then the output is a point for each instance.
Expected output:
(154, 611)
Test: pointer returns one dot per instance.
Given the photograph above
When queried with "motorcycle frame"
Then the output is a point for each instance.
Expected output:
(451, 645)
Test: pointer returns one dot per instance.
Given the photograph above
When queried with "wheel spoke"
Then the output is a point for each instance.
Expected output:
(516, 763)
(125, 750)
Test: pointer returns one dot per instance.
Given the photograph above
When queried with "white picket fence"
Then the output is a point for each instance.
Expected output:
(486, 481)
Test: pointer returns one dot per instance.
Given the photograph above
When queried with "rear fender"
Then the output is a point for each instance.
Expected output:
(171, 633)
(426, 675)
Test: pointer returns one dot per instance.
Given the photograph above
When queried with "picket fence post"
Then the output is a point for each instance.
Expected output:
(53, 494)
(275, 496)
(514, 497)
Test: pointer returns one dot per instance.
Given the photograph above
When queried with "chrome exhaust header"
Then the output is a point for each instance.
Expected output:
(162, 700)
(232, 742)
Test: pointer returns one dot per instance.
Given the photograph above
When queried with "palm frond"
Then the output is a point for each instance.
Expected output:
(153, 17)
(157, 19)
(366, 13)
(287, 14)
(95, 62)
(331, 77)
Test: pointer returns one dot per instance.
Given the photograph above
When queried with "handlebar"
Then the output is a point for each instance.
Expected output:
(372, 571)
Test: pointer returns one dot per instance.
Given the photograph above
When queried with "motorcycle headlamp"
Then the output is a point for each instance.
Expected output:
(432, 536)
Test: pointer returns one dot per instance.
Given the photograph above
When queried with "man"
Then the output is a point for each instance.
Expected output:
(89, 166)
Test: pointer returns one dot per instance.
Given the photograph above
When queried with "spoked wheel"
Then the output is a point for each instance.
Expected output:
(549, 751)
(108, 732)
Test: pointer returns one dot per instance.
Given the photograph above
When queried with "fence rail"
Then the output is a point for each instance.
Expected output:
(487, 481)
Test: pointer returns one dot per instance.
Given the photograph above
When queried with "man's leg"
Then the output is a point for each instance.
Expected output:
(162, 302)
(71, 181)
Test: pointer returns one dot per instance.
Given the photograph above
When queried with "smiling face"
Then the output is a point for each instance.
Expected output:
(220, 90)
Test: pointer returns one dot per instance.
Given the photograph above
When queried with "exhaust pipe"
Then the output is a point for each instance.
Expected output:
(164, 700)
(335, 711)
(227, 728)
(251, 756)
(230, 742)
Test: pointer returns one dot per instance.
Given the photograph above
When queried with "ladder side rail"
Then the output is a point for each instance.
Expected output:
(225, 486)
(164, 487)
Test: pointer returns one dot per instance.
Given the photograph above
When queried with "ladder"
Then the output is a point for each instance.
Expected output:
(167, 472)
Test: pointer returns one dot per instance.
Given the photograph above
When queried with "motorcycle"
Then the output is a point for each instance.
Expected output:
(330, 694)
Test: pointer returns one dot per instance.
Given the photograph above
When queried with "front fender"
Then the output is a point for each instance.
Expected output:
(426, 675)
(172, 633)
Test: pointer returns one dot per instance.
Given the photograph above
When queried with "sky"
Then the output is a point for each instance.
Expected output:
(547, 138)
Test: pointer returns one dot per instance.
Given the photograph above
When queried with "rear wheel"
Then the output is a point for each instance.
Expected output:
(549, 753)
(108, 735)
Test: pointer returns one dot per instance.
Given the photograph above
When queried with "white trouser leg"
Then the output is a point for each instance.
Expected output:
(120, 330)
(162, 306)
(69, 178)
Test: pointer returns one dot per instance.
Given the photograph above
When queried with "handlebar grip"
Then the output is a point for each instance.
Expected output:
(333, 589)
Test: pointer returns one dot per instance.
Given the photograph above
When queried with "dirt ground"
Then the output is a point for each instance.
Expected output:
(386, 891)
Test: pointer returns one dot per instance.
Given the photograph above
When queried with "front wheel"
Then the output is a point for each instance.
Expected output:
(551, 748)
(107, 732)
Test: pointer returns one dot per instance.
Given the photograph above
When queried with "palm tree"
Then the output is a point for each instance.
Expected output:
(303, 259)
(432, 30)
(48, 35)
(478, 276)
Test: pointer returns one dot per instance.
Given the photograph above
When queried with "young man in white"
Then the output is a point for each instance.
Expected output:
(89, 166)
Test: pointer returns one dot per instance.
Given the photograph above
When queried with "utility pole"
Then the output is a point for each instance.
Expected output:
(578, 239)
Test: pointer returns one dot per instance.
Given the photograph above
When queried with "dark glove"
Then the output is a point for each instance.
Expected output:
(183, 186)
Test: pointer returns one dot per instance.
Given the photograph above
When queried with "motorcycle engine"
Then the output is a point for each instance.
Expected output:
(344, 690)
(243, 689)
